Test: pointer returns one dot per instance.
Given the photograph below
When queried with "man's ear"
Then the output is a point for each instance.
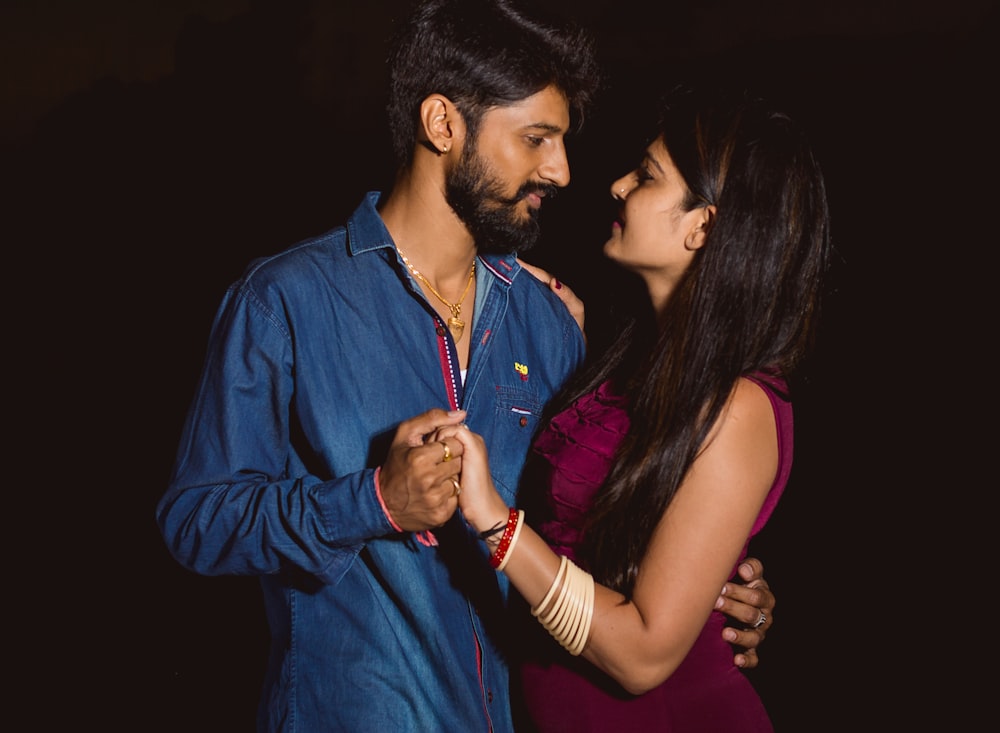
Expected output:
(440, 124)
(704, 217)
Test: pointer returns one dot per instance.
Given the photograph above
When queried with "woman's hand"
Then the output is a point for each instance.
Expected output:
(563, 291)
(481, 505)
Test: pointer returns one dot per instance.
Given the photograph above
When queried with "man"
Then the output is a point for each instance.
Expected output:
(301, 460)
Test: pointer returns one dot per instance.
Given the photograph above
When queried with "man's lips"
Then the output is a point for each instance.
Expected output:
(534, 195)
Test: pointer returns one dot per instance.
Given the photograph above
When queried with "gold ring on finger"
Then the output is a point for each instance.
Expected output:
(458, 486)
(447, 451)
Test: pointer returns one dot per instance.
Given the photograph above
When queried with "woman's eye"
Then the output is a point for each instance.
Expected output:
(642, 175)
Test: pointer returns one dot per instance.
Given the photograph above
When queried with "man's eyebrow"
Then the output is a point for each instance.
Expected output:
(546, 126)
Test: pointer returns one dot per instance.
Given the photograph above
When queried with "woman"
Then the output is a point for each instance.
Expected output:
(665, 461)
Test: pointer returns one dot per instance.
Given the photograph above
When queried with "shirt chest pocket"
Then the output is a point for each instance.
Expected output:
(516, 415)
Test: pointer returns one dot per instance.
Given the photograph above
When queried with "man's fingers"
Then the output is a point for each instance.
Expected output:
(747, 659)
(751, 570)
(414, 431)
(746, 639)
(756, 593)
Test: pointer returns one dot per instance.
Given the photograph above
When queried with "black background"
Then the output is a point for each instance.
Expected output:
(145, 169)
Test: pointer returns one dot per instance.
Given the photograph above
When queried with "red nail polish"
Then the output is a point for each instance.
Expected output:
(558, 285)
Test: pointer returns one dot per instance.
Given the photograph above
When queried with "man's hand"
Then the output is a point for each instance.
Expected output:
(746, 604)
(419, 479)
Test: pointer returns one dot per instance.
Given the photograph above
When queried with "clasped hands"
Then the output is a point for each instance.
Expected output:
(420, 479)
(436, 464)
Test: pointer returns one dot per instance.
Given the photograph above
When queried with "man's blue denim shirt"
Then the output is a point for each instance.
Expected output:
(315, 356)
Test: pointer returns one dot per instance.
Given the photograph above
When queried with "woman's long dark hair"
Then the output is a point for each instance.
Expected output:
(748, 302)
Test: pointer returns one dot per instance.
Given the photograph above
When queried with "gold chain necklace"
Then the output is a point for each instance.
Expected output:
(455, 324)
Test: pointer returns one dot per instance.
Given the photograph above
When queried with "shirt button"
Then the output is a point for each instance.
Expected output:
(440, 330)
(523, 421)
(489, 695)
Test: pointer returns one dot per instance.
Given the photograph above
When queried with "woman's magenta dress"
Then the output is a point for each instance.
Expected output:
(707, 693)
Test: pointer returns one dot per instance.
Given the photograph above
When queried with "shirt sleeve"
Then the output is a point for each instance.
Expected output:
(240, 500)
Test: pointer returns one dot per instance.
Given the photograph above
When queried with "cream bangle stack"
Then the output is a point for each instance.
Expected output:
(571, 612)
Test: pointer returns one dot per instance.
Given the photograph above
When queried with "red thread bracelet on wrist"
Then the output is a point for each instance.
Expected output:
(497, 557)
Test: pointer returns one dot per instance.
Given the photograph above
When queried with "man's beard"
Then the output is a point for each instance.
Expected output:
(476, 196)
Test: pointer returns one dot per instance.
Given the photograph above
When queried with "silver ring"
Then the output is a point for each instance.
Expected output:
(761, 621)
